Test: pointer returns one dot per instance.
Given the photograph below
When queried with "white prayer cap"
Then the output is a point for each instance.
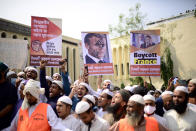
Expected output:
(20, 73)
(149, 92)
(49, 78)
(81, 107)
(109, 81)
(26, 69)
(193, 81)
(107, 91)
(149, 97)
(59, 83)
(10, 73)
(134, 86)
(91, 98)
(181, 88)
(76, 83)
(65, 99)
(33, 87)
(137, 98)
(96, 94)
(129, 88)
(32, 68)
(160, 91)
(56, 74)
(167, 93)
(85, 85)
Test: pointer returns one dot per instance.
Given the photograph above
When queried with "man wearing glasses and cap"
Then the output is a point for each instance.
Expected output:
(96, 47)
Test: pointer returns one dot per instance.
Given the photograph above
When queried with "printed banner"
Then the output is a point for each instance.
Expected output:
(46, 41)
(97, 53)
(145, 53)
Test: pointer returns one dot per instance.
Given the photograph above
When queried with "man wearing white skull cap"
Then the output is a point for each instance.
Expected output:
(167, 100)
(181, 117)
(57, 88)
(150, 108)
(63, 108)
(83, 89)
(34, 115)
(90, 99)
(192, 91)
(104, 101)
(135, 119)
(107, 84)
(32, 73)
(90, 121)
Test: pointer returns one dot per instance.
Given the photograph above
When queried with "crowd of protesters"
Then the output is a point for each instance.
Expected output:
(54, 103)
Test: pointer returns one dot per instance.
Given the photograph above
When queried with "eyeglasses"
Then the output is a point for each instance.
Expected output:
(100, 43)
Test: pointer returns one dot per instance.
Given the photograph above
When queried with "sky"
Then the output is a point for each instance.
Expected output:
(89, 15)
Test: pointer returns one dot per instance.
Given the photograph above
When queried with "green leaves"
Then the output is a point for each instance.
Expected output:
(134, 21)
(166, 67)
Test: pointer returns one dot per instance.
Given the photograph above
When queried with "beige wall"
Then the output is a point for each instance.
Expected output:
(179, 34)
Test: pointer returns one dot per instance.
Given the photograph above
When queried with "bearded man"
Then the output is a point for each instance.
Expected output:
(181, 117)
(135, 119)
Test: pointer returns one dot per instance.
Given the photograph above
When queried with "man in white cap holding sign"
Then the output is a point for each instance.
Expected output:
(181, 117)
(149, 110)
(55, 92)
(91, 122)
(135, 119)
(63, 108)
(107, 84)
(34, 115)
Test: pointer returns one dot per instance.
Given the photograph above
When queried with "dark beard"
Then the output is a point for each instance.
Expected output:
(32, 103)
(180, 108)
(193, 93)
(113, 109)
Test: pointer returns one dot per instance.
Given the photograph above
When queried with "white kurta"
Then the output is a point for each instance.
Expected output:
(71, 123)
(98, 124)
(101, 113)
(192, 106)
(181, 122)
(53, 120)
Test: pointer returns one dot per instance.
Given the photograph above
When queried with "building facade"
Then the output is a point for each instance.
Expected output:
(177, 33)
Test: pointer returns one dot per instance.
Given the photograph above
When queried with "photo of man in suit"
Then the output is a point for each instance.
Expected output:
(96, 47)
(147, 42)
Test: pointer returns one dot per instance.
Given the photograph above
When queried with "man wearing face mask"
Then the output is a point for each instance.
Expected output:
(135, 120)
(150, 108)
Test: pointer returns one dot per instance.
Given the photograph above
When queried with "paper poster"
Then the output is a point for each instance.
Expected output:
(145, 53)
(46, 41)
(97, 53)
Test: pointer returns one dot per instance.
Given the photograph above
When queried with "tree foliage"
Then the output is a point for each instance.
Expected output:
(122, 86)
(166, 67)
(137, 81)
(134, 21)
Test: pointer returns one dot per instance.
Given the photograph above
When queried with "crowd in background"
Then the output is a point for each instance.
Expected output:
(55, 103)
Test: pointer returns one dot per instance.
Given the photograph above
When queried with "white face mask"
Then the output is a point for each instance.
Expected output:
(149, 109)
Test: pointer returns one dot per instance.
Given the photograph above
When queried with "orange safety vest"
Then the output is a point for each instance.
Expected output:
(37, 122)
(151, 125)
